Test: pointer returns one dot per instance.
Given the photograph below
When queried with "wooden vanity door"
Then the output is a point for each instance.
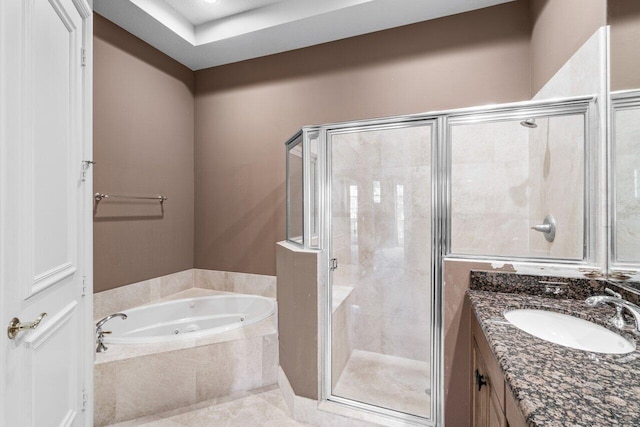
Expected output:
(486, 409)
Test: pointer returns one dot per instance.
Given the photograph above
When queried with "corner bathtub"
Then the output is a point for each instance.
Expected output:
(188, 318)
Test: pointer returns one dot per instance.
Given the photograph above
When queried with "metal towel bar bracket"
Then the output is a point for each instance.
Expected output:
(100, 196)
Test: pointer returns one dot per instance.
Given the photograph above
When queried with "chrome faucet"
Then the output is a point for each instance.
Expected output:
(620, 304)
(100, 347)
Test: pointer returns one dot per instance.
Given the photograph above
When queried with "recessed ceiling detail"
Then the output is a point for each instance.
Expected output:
(200, 34)
(200, 11)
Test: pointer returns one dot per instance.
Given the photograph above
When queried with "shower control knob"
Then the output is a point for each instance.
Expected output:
(547, 228)
(543, 228)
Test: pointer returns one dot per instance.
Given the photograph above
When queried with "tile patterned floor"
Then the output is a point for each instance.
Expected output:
(387, 381)
(261, 408)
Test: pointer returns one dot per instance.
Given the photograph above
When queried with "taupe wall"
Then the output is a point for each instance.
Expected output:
(245, 112)
(560, 27)
(624, 18)
(143, 145)
(144, 118)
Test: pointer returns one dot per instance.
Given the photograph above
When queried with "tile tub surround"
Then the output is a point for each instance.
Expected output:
(133, 381)
(135, 294)
(555, 385)
(139, 293)
(230, 281)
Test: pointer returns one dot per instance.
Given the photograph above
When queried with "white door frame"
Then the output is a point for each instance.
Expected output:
(87, 215)
(85, 220)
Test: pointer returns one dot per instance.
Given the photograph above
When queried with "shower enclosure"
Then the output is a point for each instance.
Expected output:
(385, 201)
(380, 203)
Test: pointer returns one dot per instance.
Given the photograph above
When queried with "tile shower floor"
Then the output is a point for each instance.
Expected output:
(263, 407)
(387, 381)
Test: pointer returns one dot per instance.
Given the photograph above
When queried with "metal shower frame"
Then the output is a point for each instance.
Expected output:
(440, 123)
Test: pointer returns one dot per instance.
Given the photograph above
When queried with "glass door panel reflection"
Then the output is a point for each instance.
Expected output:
(626, 183)
(381, 291)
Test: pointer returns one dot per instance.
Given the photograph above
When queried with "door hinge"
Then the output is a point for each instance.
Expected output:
(85, 167)
(85, 398)
(83, 57)
(84, 286)
(333, 264)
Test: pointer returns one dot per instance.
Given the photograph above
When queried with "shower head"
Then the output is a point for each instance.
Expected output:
(529, 123)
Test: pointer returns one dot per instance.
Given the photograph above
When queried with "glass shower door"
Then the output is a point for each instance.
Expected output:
(382, 287)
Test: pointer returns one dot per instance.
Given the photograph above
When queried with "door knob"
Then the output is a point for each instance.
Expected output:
(15, 326)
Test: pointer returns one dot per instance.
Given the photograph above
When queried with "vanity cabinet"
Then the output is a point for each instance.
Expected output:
(487, 410)
(493, 402)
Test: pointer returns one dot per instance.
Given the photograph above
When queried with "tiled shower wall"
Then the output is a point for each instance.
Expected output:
(489, 196)
(556, 156)
(584, 74)
(507, 178)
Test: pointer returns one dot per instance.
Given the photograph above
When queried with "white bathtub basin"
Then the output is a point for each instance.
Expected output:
(188, 318)
(569, 331)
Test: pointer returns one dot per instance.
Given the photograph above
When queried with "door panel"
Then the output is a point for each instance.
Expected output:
(382, 287)
(45, 203)
(481, 395)
(52, 374)
(51, 146)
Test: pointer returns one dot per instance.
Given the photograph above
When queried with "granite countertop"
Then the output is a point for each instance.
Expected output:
(555, 385)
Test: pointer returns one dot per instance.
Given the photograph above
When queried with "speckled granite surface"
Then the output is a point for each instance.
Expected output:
(546, 286)
(556, 385)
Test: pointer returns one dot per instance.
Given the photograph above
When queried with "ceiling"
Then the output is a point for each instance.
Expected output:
(200, 12)
(201, 34)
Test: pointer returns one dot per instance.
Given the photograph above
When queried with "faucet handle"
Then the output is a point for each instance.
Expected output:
(100, 347)
(613, 293)
(618, 319)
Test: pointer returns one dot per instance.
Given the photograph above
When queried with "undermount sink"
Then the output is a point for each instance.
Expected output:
(569, 331)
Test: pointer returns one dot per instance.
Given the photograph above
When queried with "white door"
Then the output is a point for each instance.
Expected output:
(45, 212)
